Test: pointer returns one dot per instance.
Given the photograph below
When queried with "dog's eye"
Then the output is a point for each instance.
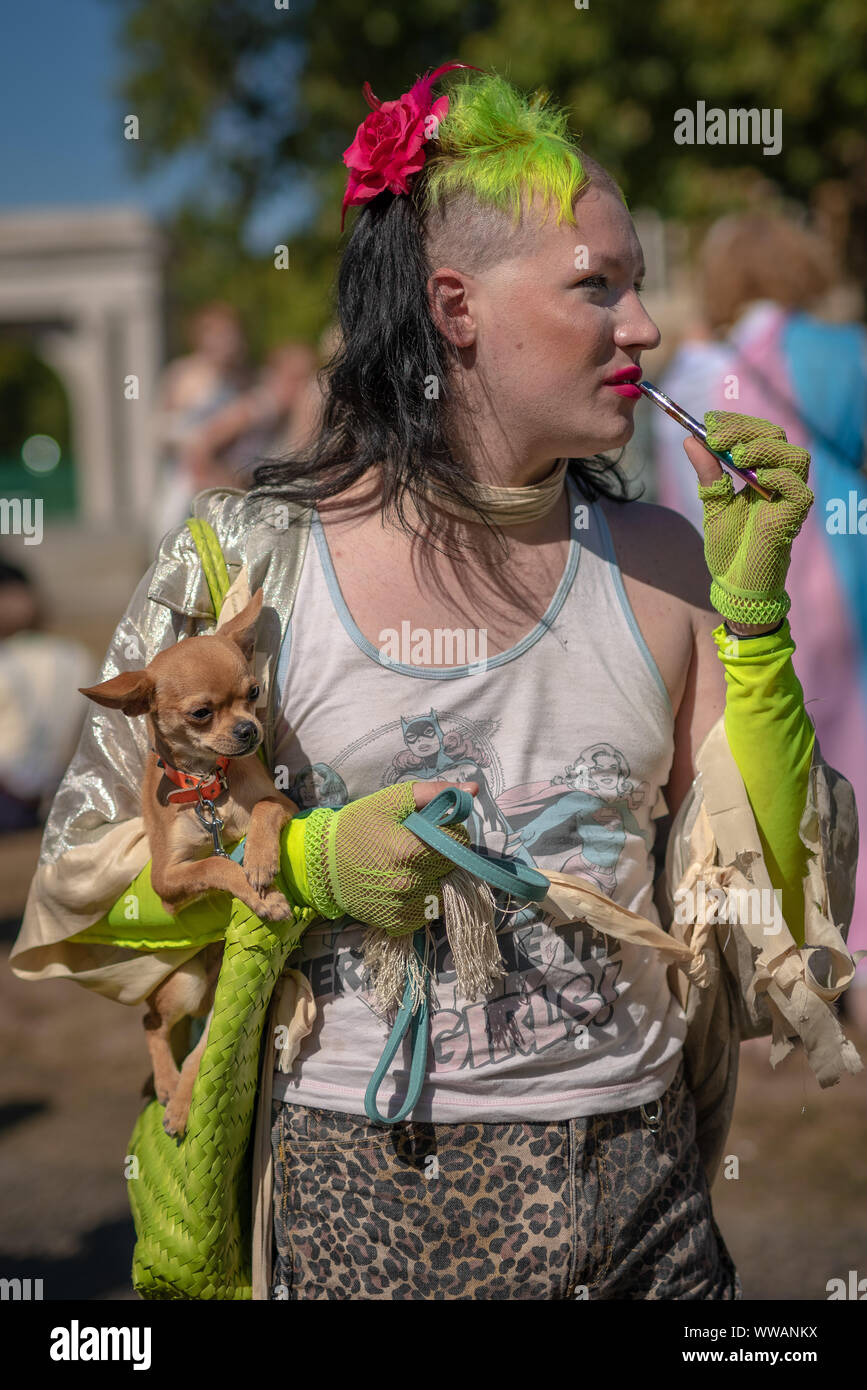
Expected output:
(200, 714)
(254, 693)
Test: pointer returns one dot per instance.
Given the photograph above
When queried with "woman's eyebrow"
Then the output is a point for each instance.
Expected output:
(615, 261)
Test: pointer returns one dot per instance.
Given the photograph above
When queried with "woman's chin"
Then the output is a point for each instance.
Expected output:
(614, 438)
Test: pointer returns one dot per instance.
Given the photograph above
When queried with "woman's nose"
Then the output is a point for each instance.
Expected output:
(636, 328)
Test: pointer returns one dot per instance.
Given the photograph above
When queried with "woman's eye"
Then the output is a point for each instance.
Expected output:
(200, 714)
(254, 693)
(594, 282)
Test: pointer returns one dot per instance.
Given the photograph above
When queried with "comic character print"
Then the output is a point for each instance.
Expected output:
(430, 754)
(581, 816)
(317, 784)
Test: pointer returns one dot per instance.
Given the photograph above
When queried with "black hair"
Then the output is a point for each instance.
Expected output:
(13, 574)
(376, 414)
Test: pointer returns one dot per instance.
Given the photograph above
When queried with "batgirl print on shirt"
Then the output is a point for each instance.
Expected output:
(560, 982)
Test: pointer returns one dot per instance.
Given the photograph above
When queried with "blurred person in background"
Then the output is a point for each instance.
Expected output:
(759, 349)
(307, 419)
(39, 720)
(191, 390)
(281, 408)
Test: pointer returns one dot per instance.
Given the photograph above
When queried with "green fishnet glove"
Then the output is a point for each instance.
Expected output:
(356, 860)
(359, 860)
(747, 539)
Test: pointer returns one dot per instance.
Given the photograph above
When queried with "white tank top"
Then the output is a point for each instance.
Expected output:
(569, 735)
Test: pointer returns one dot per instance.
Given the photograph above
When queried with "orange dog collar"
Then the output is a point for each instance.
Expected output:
(193, 787)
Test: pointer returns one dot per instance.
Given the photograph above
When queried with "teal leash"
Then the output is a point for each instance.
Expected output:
(418, 1023)
(508, 875)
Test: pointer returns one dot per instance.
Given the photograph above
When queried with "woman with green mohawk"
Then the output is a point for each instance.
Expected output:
(572, 1117)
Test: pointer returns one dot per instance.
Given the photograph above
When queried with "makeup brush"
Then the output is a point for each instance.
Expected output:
(695, 428)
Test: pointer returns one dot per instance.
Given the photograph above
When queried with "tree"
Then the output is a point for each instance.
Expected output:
(273, 94)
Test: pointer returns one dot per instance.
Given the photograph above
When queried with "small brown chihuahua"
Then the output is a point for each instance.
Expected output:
(202, 776)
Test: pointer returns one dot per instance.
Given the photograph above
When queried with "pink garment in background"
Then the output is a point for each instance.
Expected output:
(825, 660)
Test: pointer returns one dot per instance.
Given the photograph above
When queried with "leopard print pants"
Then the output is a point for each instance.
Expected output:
(608, 1207)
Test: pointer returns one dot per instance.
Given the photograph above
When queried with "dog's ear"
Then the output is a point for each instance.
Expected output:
(131, 691)
(242, 628)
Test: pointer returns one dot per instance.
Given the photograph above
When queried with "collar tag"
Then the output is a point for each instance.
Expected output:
(206, 813)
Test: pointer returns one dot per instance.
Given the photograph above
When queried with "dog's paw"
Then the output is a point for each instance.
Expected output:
(261, 871)
(175, 1119)
(273, 907)
(164, 1084)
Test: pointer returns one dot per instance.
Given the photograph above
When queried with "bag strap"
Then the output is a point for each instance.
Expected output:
(418, 1024)
(217, 576)
(523, 882)
(212, 558)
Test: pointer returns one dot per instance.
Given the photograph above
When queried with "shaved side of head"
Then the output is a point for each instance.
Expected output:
(473, 236)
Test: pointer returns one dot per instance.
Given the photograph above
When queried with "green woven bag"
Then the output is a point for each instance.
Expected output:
(191, 1199)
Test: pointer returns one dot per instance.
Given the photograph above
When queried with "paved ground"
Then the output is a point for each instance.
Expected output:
(73, 1065)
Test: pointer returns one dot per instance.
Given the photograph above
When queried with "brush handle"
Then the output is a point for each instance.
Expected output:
(725, 457)
(697, 429)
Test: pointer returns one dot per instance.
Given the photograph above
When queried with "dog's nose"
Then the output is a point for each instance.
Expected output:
(244, 731)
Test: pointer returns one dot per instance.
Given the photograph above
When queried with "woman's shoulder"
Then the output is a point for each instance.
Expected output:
(649, 524)
(262, 533)
(245, 520)
(658, 546)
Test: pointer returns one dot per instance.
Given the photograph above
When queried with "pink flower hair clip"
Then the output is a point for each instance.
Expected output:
(389, 145)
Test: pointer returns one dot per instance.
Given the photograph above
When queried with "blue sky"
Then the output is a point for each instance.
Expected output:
(62, 125)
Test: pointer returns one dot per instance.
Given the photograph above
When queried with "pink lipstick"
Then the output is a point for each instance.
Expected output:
(624, 382)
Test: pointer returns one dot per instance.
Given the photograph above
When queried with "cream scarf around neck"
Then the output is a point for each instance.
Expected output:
(506, 506)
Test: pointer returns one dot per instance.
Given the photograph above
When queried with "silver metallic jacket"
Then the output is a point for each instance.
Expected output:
(94, 842)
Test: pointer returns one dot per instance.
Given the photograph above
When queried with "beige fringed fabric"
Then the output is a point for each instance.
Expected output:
(468, 913)
(572, 899)
(761, 981)
(785, 989)
(469, 923)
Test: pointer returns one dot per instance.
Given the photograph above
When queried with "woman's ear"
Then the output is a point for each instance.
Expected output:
(242, 628)
(448, 294)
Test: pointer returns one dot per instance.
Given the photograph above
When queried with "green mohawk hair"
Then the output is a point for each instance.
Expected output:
(496, 144)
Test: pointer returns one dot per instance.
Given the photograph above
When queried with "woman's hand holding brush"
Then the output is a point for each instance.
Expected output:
(748, 539)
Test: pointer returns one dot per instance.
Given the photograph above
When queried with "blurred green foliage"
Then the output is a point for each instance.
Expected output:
(30, 391)
(273, 95)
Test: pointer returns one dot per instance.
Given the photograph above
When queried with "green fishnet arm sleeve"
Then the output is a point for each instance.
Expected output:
(138, 921)
(771, 738)
(357, 860)
(362, 862)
